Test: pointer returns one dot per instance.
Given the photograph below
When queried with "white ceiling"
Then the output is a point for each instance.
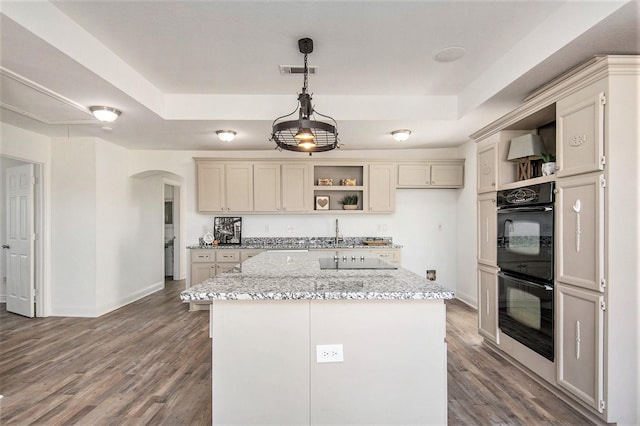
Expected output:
(180, 70)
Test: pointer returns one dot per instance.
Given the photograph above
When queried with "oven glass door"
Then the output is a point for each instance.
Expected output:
(525, 313)
(525, 241)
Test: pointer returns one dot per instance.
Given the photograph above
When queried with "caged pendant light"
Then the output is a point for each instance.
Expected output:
(305, 134)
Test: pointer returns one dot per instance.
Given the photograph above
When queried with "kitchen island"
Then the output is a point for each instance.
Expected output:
(273, 315)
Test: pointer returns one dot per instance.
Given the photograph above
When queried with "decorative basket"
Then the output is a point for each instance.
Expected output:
(325, 182)
(348, 182)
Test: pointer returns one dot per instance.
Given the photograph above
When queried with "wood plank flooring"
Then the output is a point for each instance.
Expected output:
(149, 363)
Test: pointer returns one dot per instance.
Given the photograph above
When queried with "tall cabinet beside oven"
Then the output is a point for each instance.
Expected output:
(597, 237)
(491, 172)
(580, 272)
(487, 261)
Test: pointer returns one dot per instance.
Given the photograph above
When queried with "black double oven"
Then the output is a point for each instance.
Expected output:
(525, 257)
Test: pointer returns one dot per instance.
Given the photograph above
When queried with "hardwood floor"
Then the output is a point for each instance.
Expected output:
(150, 363)
(484, 389)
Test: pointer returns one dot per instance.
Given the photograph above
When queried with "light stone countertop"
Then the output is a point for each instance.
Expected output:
(274, 275)
(302, 243)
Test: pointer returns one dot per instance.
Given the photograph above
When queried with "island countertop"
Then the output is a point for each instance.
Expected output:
(297, 275)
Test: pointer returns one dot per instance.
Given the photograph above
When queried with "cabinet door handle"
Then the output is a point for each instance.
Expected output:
(487, 308)
(577, 339)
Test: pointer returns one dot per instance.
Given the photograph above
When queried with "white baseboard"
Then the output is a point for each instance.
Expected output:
(93, 312)
(104, 309)
(467, 299)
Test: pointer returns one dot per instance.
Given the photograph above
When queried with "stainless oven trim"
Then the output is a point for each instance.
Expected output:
(525, 209)
(525, 282)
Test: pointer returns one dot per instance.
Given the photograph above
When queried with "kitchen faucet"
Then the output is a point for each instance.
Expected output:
(338, 237)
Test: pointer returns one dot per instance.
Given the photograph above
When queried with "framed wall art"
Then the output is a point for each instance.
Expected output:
(227, 230)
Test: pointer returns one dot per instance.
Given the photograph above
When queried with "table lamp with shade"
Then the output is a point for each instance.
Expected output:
(522, 150)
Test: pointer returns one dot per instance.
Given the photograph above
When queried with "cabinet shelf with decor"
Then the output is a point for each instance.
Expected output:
(332, 183)
(495, 171)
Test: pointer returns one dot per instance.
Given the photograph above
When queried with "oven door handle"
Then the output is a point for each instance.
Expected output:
(524, 209)
(526, 283)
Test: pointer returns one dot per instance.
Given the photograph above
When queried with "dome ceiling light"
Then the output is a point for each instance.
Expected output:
(105, 113)
(226, 135)
(401, 135)
(305, 134)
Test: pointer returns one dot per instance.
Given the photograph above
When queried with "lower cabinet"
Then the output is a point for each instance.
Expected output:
(207, 263)
(488, 303)
(201, 272)
(580, 340)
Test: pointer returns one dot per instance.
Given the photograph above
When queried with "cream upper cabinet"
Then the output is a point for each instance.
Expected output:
(580, 132)
(487, 229)
(487, 166)
(211, 187)
(580, 231)
(416, 175)
(296, 188)
(430, 175)
(382, 192)
(225, 187)
(266, 187)
(239, 187)
(281, 188)
(488, 302)
(580, 322)
(447, 175)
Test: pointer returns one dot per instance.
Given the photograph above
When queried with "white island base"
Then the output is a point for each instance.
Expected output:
(265, 370)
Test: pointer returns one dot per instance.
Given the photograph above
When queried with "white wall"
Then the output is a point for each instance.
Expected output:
(466, 219)
(73, 232)
(129, 216)
(106, 229)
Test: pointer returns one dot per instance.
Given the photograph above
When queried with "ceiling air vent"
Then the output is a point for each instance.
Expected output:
(297, 69)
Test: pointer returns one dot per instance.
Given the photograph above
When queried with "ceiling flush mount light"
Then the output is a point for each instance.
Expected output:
(450, 54)
(226, 135)
(305, 134)
(105, 113)
(401, 135)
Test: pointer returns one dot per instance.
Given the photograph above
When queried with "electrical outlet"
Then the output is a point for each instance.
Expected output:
(329, 353)
(290, 228)
(266, 229)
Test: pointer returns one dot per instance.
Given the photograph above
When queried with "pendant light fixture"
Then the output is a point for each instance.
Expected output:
(305, 134)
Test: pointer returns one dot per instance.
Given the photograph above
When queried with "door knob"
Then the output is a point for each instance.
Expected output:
(4, 246)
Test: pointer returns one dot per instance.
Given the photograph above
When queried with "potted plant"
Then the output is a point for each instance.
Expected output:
(548, 164)
(349, 202)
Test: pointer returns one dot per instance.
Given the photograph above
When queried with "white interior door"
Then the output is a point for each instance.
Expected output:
(20, 240)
